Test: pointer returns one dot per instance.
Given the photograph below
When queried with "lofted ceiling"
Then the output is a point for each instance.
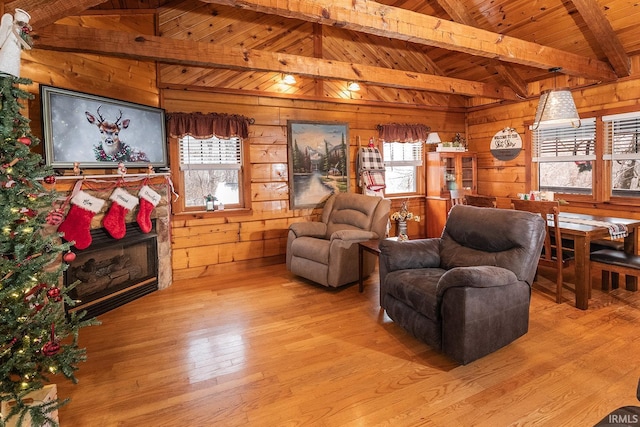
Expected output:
(436, 52)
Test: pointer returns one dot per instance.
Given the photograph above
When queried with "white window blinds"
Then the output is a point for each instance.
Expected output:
(211, 153)
(402, 153)
(565, 143)
(622, 136)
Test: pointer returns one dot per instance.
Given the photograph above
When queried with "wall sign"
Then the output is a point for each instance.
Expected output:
(506, 144)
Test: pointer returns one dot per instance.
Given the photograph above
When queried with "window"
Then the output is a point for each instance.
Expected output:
(565, 157)
(622, 148)
(403, 164)
(211, 166)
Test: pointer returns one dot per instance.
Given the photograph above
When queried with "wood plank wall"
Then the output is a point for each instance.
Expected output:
(508, 178)
(206, 246)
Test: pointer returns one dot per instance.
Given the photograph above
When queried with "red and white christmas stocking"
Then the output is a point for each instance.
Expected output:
(77, 224)
(149, 199)
(114, 220)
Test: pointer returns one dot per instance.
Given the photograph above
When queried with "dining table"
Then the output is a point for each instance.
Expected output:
(582, 229)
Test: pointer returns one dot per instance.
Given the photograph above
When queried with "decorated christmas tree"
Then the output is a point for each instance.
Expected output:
(37, 338)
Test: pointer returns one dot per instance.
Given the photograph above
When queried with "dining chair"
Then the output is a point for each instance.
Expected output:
(457, 196)
(480, 201)
(553, 253)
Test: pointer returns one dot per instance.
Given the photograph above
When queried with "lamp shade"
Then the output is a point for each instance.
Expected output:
(353, 86)
(433, 138)
(556, 106)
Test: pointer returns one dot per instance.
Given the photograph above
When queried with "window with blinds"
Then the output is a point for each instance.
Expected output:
(211, 168)
(622, 148)
(565, 156)
(402, 161)
(211, 153)
(555, 144)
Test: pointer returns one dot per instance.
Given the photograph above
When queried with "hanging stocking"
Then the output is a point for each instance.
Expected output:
(114, 220)
(77, 224)
(149, 199)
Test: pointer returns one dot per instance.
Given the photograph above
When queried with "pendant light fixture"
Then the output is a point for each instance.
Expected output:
(353, 86)
(556, 106)
(289, 79)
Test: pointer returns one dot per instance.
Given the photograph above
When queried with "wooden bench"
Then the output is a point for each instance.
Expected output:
(611, 264)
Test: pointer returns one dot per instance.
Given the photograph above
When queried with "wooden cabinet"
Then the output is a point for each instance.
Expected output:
(447, 171)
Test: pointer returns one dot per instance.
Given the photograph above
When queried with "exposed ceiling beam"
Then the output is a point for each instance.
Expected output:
(45, 12)
(386, 21)
(456, 10)
(187, 52)
(600, 26)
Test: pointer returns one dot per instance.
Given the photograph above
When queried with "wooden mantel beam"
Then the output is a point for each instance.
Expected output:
(370, 17)
(187, 52)
(45, 12)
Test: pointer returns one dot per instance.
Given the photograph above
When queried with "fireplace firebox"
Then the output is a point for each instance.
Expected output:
(112, 272)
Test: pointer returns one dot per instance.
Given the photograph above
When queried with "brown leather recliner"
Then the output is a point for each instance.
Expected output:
(468, 292)
(326, 251)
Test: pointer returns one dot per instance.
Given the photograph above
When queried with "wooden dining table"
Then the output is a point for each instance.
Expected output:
(576, 227)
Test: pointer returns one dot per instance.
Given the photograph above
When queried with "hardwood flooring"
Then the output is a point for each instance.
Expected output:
(265, 348)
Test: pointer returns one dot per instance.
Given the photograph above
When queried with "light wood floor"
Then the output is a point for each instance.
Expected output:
(265, 348)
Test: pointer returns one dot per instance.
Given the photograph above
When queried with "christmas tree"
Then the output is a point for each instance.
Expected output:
(37, 337)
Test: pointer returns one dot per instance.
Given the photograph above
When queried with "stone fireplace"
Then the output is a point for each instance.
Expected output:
(112, 272)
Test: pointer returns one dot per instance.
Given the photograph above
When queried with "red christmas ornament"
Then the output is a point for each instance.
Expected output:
(51, 179)
(69, 257)
(52, 347)
(55, 294)
(55, 217)
(25, 140)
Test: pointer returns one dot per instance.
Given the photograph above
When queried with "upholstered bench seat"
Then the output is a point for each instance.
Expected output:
(615, 244)
(611, 263)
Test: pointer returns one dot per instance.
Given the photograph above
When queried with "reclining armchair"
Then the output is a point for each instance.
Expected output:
(468, 292)
(326, 251)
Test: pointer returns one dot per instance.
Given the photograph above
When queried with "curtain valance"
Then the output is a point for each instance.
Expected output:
(402, 132)
(201, 125)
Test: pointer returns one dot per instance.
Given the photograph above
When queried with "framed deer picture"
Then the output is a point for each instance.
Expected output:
(100, 132)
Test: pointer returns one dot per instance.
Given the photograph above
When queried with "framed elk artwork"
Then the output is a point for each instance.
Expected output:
(318, 162)
(99, 132)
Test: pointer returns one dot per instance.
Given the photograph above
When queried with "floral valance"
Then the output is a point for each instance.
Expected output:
(201, 125)
(402, 132)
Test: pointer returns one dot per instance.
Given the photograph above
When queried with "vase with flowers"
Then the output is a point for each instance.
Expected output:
(401, 217)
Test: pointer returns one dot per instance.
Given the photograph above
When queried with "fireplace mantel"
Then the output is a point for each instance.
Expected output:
(101, 186)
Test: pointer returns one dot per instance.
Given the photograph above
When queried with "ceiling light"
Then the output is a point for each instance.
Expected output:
(289, 79)
(433, 138)
(353, 86)
(556, 106)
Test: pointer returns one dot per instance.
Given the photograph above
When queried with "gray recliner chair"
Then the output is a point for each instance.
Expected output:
(326, 251)
(468, 292)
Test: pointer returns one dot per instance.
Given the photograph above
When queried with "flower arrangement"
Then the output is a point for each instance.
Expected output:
(404, 215)
(401, 217)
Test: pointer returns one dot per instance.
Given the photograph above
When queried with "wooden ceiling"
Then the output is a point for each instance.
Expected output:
(437, 52)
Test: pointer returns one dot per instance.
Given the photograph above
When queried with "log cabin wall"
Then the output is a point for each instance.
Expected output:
(210, 244)
(508, 178)
(204, 245)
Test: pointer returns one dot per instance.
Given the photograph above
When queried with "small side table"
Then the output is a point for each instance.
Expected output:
(370, 246)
